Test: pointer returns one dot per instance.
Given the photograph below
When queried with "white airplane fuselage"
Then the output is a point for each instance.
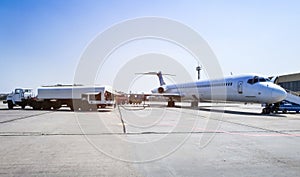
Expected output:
(243, 88)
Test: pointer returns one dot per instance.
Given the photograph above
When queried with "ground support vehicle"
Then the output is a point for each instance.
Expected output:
(19, 97)
(286, 106)
(135, 98)
(76, 97)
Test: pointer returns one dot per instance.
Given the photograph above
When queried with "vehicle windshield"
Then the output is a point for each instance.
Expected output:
(27, 90)
(256, 79)
(18, 91)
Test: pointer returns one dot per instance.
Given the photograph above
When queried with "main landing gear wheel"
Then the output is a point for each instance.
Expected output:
(266, 111)
(171, 103)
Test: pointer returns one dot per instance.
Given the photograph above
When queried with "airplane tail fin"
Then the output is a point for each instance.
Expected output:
(159, 75)
(161, 79)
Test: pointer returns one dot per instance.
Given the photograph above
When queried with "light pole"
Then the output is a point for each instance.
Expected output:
(198, 69)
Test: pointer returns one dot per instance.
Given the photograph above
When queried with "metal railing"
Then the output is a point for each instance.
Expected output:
(292, 92)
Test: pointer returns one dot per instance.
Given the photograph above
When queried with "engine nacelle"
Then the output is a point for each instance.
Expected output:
(160, 90)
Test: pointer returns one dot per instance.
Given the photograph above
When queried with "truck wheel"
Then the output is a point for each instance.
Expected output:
(36, 106)
(56, 107)
(284, 111)
(10, 105)
(264, 111)
(46, 107)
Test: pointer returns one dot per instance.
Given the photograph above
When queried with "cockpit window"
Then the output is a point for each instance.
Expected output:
(256, 79)
(262, 79)
(253, 80)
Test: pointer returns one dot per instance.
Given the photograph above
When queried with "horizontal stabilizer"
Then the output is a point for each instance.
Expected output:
(159, 74)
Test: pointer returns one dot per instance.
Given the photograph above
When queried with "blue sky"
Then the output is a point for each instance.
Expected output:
(41, 41)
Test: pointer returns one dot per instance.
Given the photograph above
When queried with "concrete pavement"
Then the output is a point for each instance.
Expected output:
(155, 141)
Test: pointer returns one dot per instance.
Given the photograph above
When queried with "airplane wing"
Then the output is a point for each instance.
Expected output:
(173, 95)
(169, 95)
(142, 97)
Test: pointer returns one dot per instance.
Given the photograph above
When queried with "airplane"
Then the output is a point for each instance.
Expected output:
(250, 88)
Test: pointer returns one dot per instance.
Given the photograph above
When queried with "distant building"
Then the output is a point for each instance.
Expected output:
(290, 82)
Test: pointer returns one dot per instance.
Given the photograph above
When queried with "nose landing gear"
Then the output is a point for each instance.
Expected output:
(266, 110)
(270, 108)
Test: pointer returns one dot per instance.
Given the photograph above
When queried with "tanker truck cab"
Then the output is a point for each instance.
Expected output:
(19, 97)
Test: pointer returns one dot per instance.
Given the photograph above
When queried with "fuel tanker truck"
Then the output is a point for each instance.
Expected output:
(76, 97)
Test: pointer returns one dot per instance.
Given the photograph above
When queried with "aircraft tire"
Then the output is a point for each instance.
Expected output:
(171, 104)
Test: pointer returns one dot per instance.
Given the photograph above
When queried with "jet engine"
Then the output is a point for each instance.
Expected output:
(161, 90)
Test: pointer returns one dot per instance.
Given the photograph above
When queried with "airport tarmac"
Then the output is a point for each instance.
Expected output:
(152, 141)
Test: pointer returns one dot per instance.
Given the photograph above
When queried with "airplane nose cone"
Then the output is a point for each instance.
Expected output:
(278, 94)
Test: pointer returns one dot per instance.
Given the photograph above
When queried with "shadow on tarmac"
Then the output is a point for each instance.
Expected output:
(59, 110)
(200, 108)
(211, 109)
